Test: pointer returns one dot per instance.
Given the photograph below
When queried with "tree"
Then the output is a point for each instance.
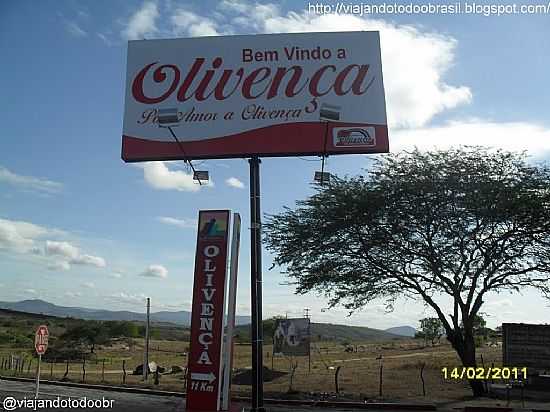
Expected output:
(431, 329)
(460, 223)
(89, 333)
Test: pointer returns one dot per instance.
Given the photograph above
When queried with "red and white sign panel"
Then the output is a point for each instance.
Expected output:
(205, 365)
(265, 95)
(41, 339)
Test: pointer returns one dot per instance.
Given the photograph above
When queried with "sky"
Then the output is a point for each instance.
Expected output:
(79, 227)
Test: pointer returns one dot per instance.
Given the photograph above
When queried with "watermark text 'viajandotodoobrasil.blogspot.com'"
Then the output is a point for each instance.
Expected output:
(11, 404)
(451, 8)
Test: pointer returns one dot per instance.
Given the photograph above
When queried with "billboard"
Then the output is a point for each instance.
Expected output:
(292, 337)
(526, 345)
(266, 95)
(204, 380)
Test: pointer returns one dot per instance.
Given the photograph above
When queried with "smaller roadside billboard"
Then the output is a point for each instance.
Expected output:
(292, 337)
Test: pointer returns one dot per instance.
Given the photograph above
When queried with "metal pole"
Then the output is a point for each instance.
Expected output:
(256, 286)
(146, 354)
(231, 305)
(38, 376)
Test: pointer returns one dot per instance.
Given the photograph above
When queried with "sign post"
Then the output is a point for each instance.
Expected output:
(40, 344)
(231, 306)
(256, 285)
(207, 318)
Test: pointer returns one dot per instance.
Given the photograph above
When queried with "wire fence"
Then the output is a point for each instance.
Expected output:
(331, 372)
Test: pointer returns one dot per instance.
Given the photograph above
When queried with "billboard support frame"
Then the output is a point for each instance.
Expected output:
(256, 286)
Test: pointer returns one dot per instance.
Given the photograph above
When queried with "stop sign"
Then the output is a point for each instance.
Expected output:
(41, 339)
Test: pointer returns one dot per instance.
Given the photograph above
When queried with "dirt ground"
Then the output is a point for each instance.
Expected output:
(359, 374)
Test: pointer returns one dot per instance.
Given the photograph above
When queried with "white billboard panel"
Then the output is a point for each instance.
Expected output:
(238, 96)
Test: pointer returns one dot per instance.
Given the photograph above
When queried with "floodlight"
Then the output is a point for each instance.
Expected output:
(322, 177)
(200, 175)
(329, 112)
(168, 116)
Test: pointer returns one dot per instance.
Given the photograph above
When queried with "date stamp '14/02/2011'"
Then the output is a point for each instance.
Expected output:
(484, 373)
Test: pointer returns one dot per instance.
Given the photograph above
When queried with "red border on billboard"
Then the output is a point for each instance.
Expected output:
(289, 139)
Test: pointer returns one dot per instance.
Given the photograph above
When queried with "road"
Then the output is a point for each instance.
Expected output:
(121, 401)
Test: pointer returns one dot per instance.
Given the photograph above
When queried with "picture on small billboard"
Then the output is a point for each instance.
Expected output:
(213, 224)
(292, 337)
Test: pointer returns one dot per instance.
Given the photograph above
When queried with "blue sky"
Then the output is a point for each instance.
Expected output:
(79, 227)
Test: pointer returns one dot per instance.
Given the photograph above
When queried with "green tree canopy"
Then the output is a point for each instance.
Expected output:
(88, 333)
(431, 329)
(462, 222)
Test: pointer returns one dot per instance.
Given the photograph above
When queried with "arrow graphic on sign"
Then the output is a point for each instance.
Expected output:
(210, 377)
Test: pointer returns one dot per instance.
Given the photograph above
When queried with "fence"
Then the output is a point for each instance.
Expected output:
(401, 373)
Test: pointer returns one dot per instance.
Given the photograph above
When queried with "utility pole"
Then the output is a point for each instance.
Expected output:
(308, 316)
(146, 349)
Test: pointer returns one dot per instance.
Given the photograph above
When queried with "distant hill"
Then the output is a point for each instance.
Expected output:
(402, 331)
(326, 331)
(38, 306)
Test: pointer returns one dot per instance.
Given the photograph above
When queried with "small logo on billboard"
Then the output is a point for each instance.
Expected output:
(213, 225)
(354, 136)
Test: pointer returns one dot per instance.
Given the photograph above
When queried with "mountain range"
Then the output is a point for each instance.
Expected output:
(183, 318)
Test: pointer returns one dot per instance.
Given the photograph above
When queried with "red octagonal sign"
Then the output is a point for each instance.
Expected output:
(41, 339)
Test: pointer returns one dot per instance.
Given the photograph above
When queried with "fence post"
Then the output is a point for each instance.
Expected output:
(103, 371)
(422, 378)
(157, 376)
(336, 379)
(380, 382)
(124, 372)
(484, 380)
(51, 367)
(29, 366)
(22, 365)
(84, 369)
(66, 371)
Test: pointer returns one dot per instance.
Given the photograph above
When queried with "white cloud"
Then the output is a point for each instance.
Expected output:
(234, 182)
(105, 39)
(63, 249)
(20, 236)
(75, 29)
(189, 23)
(414, 95)
(89, 260)
(513, 136)
(181, 223)
(116, 275)
(73, 294)
(127, 298)
(72, 254)
(59, 265)
(88, 285)
(158, 176)
(142, 23)
(30, 182)
(155, 271)
(30, 292)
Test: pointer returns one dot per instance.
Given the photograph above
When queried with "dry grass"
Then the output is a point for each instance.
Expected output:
(359, 374)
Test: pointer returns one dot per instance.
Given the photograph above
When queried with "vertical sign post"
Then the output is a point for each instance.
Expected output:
(205, 352)
(146, 348)
(231, 305)
(256, 286)
(40, 344)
